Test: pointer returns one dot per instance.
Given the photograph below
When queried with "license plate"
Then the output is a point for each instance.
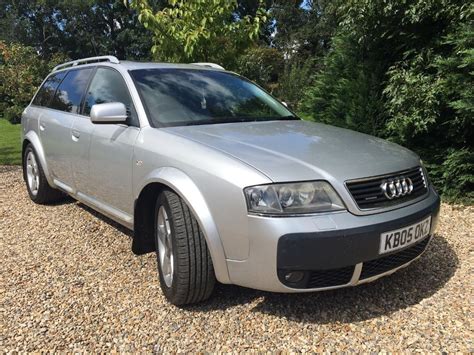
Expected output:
(403, 237)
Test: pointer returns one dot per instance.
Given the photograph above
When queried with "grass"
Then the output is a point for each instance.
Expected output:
(10, 145)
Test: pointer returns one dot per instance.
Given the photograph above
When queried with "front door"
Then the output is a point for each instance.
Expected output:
(109, 182)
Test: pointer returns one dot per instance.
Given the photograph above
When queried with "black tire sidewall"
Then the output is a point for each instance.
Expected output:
(170, 292)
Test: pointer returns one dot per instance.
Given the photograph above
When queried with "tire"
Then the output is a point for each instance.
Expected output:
(36, 183)
(189, 262)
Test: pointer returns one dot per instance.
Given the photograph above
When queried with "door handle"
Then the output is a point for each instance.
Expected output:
(75, 134)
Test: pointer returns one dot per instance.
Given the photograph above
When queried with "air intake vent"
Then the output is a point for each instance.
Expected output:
(392, 261)
(368, 192)
(329, 278)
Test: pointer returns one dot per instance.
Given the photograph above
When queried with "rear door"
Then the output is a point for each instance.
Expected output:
(110, 159)
(40, 103)
(56, 125)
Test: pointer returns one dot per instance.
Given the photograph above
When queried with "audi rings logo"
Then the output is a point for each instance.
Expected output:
(397, 187)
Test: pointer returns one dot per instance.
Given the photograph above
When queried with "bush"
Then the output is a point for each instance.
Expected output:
(21, 72)
(262, 65)
(294, 80)
(405, 71)
(454, 175)
(287, 79)
(430, 99)
(345, 93)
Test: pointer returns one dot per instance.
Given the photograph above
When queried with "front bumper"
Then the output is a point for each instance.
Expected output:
(333, 250)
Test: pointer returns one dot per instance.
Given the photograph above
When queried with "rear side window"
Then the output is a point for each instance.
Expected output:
(109, 86)
(46, 92)
(69, 94)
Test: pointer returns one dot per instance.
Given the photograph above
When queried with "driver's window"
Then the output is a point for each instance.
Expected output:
(109, 86)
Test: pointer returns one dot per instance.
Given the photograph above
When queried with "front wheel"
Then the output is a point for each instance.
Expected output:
(184, 262)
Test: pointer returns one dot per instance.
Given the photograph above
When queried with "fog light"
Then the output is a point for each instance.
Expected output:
(294, 276)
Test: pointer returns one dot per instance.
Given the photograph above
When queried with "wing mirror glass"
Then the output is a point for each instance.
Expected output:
(112, 112)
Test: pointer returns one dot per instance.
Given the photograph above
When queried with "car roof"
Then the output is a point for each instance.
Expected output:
(132, 65)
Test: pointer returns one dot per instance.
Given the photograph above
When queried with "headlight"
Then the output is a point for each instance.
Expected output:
(293, 198)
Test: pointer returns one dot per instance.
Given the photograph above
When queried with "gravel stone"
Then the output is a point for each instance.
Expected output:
(69, 282)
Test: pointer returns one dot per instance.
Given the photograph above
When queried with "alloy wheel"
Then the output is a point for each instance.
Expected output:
(165, 246)
(32, 173)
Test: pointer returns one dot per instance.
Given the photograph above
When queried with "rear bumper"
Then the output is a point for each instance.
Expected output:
(331, 251)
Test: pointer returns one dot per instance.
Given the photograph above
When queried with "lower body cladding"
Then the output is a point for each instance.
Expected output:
(313, 253)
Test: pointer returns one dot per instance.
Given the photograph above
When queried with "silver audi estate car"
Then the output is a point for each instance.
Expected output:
(222, 180)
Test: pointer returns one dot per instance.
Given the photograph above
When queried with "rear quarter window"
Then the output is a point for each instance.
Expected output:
(46, 92)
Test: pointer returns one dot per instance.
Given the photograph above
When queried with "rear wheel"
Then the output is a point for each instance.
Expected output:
(184, 262)
(36, 183)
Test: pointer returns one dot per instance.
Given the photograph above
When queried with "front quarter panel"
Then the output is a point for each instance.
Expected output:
(178, 181)
(209, 181)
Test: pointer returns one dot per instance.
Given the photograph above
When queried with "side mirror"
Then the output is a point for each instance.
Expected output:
(112, 112)
(284, 103)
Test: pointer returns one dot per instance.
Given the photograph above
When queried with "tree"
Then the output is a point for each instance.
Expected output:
(21, 72)
(430, 99)
(104, 27)
(303, 33)
(261, 64)
(403, 70)
(346, 92)
(304, 28)
(80, 28)
(199, 30)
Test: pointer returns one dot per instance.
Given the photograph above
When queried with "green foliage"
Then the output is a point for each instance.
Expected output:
(21, 72)
(454, 175)
(79, 28)
(304, 29)
(262, 65)
(455, 70)
(412, 98)
(346, 92)
(399, 69)
(430, 99)
(285, 79)
(404, 70)
(293, 81)
(199, 30)
(10, 144)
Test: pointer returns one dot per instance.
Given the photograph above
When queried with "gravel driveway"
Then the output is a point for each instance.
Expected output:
(69, 281)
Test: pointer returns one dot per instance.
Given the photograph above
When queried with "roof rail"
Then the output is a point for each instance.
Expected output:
(73, 63)
(211, 65)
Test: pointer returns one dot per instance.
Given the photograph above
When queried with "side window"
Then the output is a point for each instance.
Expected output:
(46, 92)
(109, 86)
(69, 94)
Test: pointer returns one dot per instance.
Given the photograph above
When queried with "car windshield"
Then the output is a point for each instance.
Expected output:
(177, 97)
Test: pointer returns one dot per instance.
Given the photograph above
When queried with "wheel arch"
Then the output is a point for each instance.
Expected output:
(180, 183)
(32, 138)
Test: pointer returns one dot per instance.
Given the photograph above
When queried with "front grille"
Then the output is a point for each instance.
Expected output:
(392, 261)
(332, 277)
(368, 193)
